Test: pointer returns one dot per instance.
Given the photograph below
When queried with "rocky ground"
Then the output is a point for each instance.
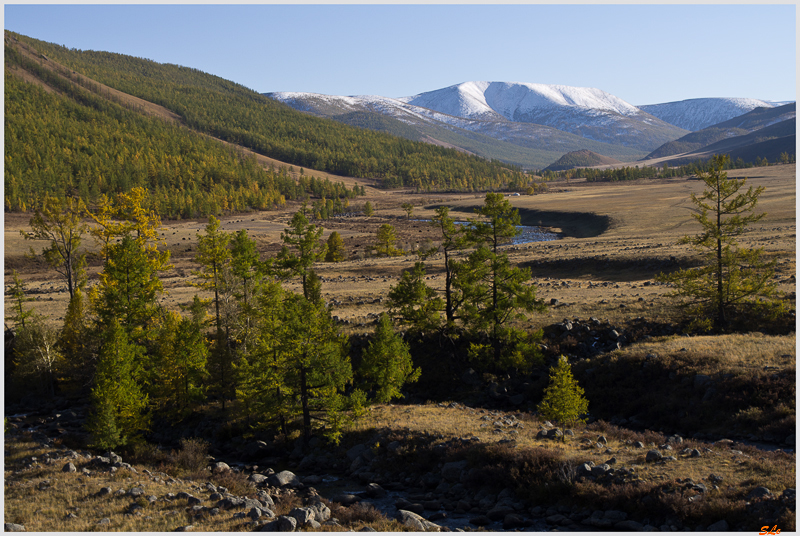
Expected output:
(309, 483)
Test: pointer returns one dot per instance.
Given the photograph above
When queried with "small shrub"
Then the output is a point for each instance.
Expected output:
(357, 513)
(236, 483)
(192, 458)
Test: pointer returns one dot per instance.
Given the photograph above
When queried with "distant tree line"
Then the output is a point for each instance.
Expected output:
(628, 173)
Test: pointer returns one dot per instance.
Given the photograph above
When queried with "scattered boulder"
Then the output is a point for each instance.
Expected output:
(416, 522)
(284, 479)
(14, 527)
(652, 456)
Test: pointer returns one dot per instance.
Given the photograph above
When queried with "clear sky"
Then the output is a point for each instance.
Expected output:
(643, 54)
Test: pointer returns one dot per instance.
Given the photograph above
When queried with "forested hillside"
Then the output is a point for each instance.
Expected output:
(238, 115)
(66, 140)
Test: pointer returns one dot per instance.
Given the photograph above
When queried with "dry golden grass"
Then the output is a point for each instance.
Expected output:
(75, 493)
(775, 471)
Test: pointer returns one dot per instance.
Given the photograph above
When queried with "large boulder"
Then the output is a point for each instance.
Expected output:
(284, 479)
(416, 522)
(451, 471)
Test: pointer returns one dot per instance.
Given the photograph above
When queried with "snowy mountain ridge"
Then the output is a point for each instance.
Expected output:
(539, 119)
(697, 114)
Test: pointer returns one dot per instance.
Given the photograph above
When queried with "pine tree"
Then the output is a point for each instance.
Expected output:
(732, 278)
(414, 302)
(386, 364)
(128, 290)
(368, 209)
(118, 403)
(314, 367)
(563, 398)
(214, 256)
(307, 247)
(386, 238)
(336, 251)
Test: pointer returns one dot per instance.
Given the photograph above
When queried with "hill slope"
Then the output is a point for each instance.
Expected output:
(752, 121)
(697, 114)
(582, 159)
(233, 113)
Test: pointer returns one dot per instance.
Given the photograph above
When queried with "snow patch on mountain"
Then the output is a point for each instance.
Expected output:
(697, 114)
(515, 101)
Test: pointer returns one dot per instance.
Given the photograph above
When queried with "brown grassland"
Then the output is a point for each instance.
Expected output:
(615, 239)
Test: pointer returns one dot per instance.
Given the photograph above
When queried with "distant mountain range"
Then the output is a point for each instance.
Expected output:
(697, 114)
(531, 125)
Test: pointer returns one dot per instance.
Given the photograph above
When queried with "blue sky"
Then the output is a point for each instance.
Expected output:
(644, 54)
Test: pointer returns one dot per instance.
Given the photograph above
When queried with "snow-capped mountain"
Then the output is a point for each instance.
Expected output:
(516, 101)
(527, 124)
(697, 114)
(520, 114)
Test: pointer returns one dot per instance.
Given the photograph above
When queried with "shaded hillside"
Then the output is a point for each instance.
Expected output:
(582, 158)
(238, 115)
(739, 126)
(770, 143)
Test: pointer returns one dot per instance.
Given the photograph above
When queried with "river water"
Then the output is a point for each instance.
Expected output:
(525, 234)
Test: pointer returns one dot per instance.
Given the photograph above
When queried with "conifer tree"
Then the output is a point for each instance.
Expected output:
(118, 403)
(731, 277)
(563, 398)
(335, 252)
(214, 256)
(414, 303)
(314, 367)
(386, 364)
(386, 238)
(128, 290)
(307, 246)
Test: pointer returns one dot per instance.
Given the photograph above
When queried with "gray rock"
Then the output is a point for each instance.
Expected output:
(185, 528)
(345, 499)
(374, 491)
(600, 470)
(615, 515)
(257, 478)
(451, 471)
(14, 527)
(321, 512)
(282, 524)
(136, 492)
(302, 515)
(759, 493)
(221, 467)
(69, 468)
(284, 479)
(652, 456)
(356, 451)
(719, 526)
(104, 491)
(638, 445)
(416, 522)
